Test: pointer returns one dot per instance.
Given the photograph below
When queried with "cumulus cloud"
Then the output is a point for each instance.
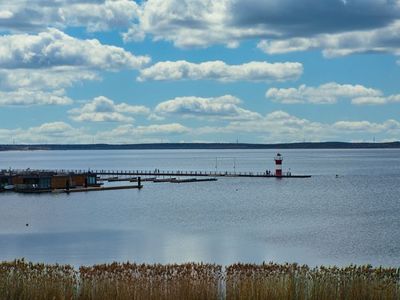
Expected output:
(293, 25)
(134, 34)
(279, 126)
(330, 93)
(338, 27)
(55, 48)
(26, 15)
(100, 16)
(384, 40)
(143, 134)
(388, 127)
(26, 97)
(54, 132)
(308, 17)
(44, 79)
(189, 23)
(282, 127)
(102, 109)
(274, 127)
(172, 128)
(199, 23)
(64, 133)
(6, 14)
(225, 107)
(47, 62)
(219, 70)
(376, 100)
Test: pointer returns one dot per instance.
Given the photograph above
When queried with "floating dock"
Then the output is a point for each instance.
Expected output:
(189, 180)
(102, 188)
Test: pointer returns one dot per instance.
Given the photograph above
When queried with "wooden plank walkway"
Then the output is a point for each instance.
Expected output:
(160, 173)
(95, 189)
(176, 173)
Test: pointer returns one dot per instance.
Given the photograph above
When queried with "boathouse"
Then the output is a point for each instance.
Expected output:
(31, 181)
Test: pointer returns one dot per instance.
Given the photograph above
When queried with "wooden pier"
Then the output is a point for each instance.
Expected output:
(131, 175)
(70, 181)
(162, 173)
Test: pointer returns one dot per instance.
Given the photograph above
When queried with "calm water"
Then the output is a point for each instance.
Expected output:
(321, 220)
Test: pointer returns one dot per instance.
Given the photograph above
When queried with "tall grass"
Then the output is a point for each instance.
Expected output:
(292, 281)
(24, 280)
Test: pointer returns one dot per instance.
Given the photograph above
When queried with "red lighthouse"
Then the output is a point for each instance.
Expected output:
(278, 165)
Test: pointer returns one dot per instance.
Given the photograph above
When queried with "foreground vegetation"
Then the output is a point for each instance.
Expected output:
(24, 280)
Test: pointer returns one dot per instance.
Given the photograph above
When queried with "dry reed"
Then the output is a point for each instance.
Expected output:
(292, 281)
(24, 280)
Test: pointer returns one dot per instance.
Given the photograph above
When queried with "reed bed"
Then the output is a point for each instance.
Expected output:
(292, 281)
(24, 280)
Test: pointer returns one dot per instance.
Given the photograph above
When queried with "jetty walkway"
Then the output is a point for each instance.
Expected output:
(163, 173)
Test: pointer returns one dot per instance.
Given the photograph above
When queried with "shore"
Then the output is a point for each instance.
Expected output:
(203, 146)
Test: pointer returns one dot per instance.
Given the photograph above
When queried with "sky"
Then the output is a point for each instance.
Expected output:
(254, 71)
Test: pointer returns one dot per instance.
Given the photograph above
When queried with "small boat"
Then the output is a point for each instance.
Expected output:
(8, 187)
(188, 180)
(165, 180)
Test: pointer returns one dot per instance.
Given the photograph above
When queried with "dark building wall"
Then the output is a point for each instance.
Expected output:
(60, 181)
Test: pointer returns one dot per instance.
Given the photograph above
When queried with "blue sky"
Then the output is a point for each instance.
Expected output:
(120, 71)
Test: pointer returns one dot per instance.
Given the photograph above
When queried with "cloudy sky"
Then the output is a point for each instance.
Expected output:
(258, 71)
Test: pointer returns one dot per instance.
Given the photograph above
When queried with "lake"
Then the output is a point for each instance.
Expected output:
(352, 218)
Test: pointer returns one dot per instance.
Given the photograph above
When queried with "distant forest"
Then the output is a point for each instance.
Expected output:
(166, 146)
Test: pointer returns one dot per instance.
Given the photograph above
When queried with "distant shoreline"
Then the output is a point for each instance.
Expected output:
(199, 146)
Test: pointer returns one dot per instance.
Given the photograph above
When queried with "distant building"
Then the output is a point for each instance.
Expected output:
(31, 181)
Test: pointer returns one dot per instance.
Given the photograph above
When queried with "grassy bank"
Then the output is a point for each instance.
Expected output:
(23, 280)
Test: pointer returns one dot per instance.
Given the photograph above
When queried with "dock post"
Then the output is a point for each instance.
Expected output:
(139, 182)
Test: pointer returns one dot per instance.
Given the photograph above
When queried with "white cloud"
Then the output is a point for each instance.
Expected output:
(26, 15)
(219, 70)
(279, 126)
(384, 40)
(172, 128)
(369, 100)
(34, 68)
(191, 23)
(328, 93)
(388, 127)
(201, 23)
(55, 132)
(6, 14)
(64, 133)
(134, 34)
(26, 97)
(376, 100)
(274, 127)
(225, 107)
(287, 46)
(102, 109)
(109, 14)
(282, 127)
(154, 133)
(44, 79)
(55, 48)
